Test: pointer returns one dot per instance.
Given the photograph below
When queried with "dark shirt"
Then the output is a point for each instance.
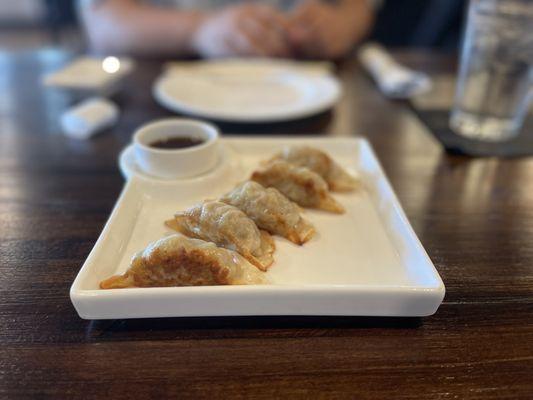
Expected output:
(420, 23)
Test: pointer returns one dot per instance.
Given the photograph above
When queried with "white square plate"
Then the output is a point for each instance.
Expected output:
(365, 262)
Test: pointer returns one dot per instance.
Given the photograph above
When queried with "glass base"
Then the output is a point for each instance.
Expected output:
(484, 128)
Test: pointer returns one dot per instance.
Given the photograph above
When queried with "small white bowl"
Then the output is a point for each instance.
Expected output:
(176, 163)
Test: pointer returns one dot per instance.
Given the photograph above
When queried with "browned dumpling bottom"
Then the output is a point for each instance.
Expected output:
(180, 261)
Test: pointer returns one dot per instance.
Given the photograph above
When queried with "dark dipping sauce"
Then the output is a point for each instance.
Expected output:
(173, 143)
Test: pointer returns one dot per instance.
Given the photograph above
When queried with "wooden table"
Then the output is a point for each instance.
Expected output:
(474, 217)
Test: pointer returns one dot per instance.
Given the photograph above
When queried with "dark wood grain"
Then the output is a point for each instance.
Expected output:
(474, 217)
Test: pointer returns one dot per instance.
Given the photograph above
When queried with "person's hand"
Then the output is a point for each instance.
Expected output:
(321, 30)
(243, 30)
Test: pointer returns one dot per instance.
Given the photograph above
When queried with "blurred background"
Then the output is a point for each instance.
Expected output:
(37, 37)
(29, 24)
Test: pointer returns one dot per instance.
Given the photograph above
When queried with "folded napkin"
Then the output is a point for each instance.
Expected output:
(89, 117)
(90, 75)
(393, 79)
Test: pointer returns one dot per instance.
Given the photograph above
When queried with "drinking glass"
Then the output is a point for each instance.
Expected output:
(496, 75)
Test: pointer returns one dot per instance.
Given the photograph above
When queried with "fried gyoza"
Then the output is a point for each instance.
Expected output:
(180, 261)
(271, 211)
(228, 227)
(299, 184)
(317, 161)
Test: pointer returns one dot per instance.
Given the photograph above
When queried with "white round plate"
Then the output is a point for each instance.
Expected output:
(247, 92)
(129, 167)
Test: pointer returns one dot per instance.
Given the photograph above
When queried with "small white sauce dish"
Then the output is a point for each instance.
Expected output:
(176, 163)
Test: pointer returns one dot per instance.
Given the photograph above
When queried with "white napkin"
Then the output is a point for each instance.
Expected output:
(95, 76)
(89, 117)
(393, 79)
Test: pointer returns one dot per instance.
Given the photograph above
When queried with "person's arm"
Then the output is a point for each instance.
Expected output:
(128, 27)
(320, 29)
